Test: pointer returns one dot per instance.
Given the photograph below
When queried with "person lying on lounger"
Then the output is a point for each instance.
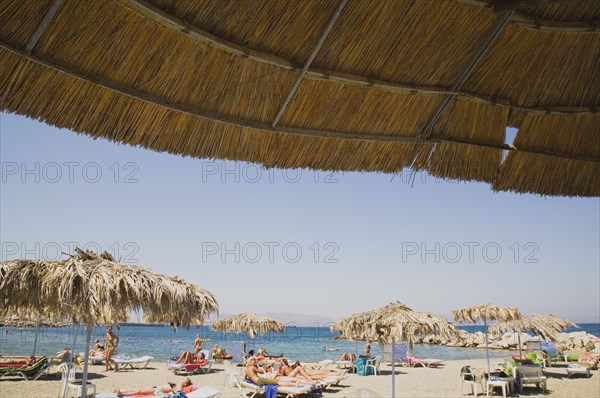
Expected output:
(316, 374)
(256, 375)
(189, 358)
(186, 386)
(348, 357)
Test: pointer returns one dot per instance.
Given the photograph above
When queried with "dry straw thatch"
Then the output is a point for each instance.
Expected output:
(395, 322)
(337, 85)
(488, 312)
(96, 290)
(546, 326)
(249, 323)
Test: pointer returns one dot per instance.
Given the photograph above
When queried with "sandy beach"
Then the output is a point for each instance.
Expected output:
(410, 382)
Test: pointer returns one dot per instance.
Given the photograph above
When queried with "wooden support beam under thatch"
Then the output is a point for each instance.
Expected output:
(486, 44)
(138, 95)
(182, 27)
(37, 34)
(503, 5)
(309, 61)
(525, 20)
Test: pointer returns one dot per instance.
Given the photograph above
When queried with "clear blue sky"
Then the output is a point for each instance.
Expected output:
(176, 215)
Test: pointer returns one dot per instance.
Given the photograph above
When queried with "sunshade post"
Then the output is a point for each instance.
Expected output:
(520, 349)
(37, 332)
(88, 341)
(487, 353)
(393, 369)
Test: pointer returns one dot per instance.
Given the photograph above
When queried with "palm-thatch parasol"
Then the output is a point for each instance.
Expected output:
(391, 323)
(546, 326)
(329, 85)
(96, 290)
(486, 312)
(249, 323)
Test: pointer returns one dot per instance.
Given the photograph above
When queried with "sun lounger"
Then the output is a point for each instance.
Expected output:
(189, 368)
(133, 362)
(202, 392)
(247, 387)
(28, 372)
(578, 369)
(531, 375)
(424, 362)
(344, 364)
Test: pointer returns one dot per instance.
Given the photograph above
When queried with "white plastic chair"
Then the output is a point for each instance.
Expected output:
(231, 372)
(472, 379)
(69, 383)
(373, 364)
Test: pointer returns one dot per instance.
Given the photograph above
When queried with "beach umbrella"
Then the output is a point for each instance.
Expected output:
(367, 86)
(546, 326)
(249, 323)
(486, 312)
(393, 323)
(96, 290)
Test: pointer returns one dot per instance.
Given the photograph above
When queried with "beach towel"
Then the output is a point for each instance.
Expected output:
(270, 390)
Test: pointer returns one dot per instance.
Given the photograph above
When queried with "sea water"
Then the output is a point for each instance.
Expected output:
(162, 342)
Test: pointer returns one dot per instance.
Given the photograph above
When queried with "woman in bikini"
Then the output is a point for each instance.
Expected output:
(112, 341)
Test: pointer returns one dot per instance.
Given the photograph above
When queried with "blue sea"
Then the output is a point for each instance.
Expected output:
(162, 342)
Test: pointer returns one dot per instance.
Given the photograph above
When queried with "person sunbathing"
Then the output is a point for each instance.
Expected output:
(186, 386)
(318, 374)
(189, 358)
(348, 357)
(258, 376)
(287, 371)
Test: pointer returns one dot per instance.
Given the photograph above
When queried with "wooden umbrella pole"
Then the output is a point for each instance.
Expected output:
(393, 369)
(88, 341)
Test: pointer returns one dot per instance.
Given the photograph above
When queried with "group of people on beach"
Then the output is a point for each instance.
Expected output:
(285, 375)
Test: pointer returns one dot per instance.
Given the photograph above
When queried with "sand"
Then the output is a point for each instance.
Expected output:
(410, 382)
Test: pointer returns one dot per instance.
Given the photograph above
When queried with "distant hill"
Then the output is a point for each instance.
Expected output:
(289, 318)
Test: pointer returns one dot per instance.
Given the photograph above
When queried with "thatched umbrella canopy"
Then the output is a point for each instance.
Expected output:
(546, 326)
(486, 312)
(391, 323)
(395, 322)
(336, 85)
(96, 290)
(249, 323)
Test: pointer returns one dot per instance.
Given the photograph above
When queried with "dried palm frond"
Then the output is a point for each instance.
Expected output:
(248, 323)
(546, 326)
(394, 321)
(95, 290)
(488, 312)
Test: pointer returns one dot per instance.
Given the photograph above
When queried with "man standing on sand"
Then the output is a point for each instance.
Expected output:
(112, 341)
